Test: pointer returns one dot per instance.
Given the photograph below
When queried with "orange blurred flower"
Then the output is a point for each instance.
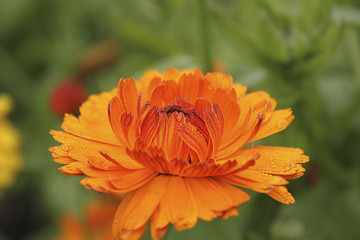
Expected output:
(97, 56)
(175, 143)
(97, 224)
(218, 66)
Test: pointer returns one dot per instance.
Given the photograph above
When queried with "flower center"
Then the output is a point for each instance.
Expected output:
(175, 107)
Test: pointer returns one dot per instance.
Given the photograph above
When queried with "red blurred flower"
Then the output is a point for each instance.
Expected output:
(67, 97)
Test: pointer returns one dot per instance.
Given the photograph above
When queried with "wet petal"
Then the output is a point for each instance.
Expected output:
(188, 87)
(214, 197)
(177, 206)
(282, 195)
(277, 122)
(195, 140)
(128, 94)
(279, 160)
(137, 207)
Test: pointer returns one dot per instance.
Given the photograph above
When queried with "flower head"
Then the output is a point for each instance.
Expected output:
(175, 143)
(10, 159)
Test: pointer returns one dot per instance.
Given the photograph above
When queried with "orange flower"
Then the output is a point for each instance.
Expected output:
(176, 144)
(97, 224)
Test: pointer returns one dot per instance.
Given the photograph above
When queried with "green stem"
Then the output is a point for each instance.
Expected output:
(204, 35)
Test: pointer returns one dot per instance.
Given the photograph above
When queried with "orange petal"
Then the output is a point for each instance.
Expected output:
(152, 85)
(154, 159)
(248, 130)
(87, 130)
(79, 149)
(177, 207)
(150, 125)
(155, 162)
(160, 136)
(219, 80)
(202, 104)
(94, 106)
(157, 95)
(254, 179)
(137, 207)
(128, 95)
(231, 112)
(277, 122)
(117, 117)
(188, 87)
(195, 140)
(132, 180)
(239, 89)
(73, 169)
(281, 161)
(99, 184)
(246, 183)
(257, 176)
(105, 162)
(175, 74)
(268, 174)
(197, 121)
(113, 178)
(131, 235)
(229, 213)
(157, 232)
(256, 102)
(165, 93)
(282, 195)
(214, 121)
(147, 83)
(69, 138)
(171, 91)
(173, 140)
(60, 154)
(171, 74)
(214, 197)
(221, 168)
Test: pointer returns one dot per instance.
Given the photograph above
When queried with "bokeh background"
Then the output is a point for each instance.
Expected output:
(306, 54)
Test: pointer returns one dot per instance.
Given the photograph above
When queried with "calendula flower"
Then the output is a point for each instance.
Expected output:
(176, 144)
(10, 158)
(96, 225)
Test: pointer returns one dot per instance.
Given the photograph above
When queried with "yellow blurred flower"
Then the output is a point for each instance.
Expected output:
(10, 158)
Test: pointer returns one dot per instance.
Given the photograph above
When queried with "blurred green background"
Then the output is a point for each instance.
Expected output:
(305, 53)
